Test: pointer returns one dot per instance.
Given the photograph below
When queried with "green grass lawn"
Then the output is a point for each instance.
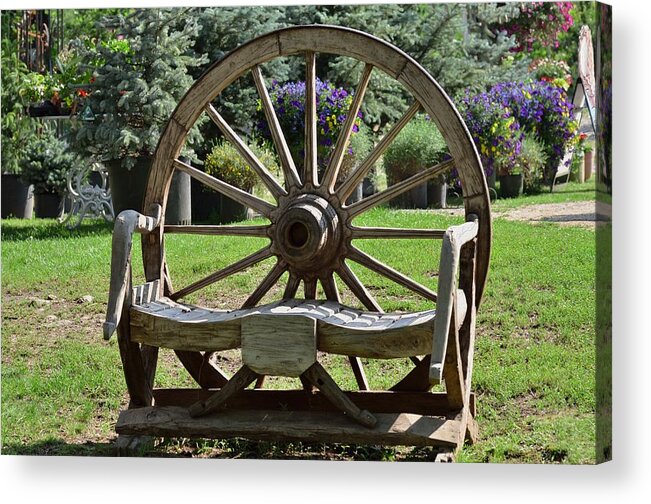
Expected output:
(62, 384)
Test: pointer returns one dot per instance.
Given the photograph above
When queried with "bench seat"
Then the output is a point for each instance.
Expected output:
(340, 329)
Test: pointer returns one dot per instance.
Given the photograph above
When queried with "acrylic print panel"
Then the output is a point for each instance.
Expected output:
(377, 196)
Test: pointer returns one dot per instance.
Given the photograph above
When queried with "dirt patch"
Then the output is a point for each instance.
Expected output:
(586, 214)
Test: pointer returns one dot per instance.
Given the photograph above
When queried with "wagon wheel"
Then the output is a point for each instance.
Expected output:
(310, 226)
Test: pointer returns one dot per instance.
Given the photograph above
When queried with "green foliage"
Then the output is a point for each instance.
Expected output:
(139, 82)
(86, 23)
(17, 127)
(222, 29)
(47, 162)
(451, 41)
(531, 162)
(418, 146)
(225, 163)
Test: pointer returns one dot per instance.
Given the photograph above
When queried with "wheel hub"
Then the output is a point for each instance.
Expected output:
(308, 233)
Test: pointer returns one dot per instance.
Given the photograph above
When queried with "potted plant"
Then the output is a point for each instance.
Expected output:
(47, 163)
(225, 163)
(333, 104)
(532, 160)
(17, 130)
(140, 75)
(418, 146)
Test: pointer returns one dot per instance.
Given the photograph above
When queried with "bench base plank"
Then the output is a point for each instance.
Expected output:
(311, 426)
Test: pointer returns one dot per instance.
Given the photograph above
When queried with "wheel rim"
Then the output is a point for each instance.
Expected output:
(311, 228)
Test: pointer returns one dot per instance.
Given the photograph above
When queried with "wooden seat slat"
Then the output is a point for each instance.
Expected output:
(340, 329)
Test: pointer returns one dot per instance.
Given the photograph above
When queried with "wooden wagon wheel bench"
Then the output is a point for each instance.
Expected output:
(312, 238)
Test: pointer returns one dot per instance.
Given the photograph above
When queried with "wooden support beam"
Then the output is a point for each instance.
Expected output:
(240, 380)
(328, 427)
(421, 403)
(320, 378)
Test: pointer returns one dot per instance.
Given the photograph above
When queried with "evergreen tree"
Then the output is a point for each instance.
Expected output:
(140, 76)
(453, 42)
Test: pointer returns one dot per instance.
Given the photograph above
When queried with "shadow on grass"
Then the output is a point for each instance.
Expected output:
(59, 447)
(236, 448)
(21, 230)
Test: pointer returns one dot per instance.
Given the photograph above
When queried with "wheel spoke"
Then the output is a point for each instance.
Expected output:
(252, 160)
(373, 264)
(332, 171)
(330, 288)
(399, 188)
(257, 231)
(310, 288)
(292, 286)
(358, 289)
(286, 160)
(310, 162)
(254, 258)
(232, 192)
(267, 283)
(348, 186)
(358, 371)
(385, 233)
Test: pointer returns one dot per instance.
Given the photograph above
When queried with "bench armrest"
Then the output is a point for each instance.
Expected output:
(455, 238)
(128, 222)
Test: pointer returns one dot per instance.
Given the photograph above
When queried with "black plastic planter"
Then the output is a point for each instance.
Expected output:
(511, 186)
(17, 197)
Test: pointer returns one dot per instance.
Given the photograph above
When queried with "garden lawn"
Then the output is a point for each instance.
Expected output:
(62, 384)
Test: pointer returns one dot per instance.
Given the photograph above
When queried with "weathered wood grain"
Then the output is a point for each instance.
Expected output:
(280, 346)
(320, 378)
(402, 233)
(334, 164)
(127, 223)
(390, 429)
(287, 164)
(251, 159)
(240, 380)
(340, 330)
(455, 238)
(257, 231)
(310, 176)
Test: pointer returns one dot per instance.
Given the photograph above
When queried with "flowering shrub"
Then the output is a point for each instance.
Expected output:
(552, 71)
(543, 110)
(498, 119)
(495, 131)
(289, 102)
(540, 22)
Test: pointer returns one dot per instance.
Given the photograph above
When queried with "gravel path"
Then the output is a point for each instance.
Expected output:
(579, 213)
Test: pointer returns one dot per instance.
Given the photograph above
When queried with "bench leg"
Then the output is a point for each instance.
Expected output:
(240, 380)
(320, 378)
